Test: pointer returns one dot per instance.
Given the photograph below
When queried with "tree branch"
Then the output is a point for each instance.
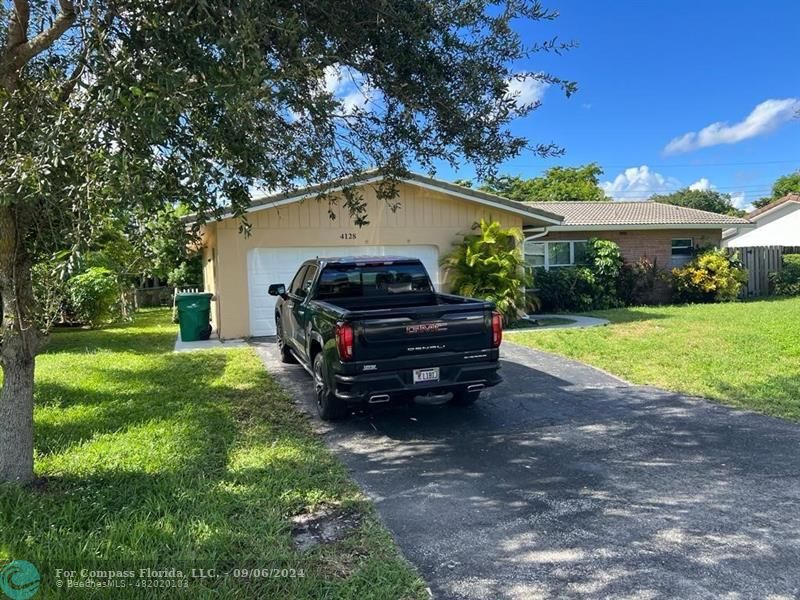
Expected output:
(18, 25)
(23, 49)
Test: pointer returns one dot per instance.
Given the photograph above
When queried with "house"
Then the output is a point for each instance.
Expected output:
(664, 234)
(289, 228)
(431, 217)
(776, 224)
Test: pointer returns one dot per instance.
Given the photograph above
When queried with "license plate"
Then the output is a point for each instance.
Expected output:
(423, 375)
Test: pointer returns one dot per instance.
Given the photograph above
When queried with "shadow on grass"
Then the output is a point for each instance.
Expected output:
(628, 315)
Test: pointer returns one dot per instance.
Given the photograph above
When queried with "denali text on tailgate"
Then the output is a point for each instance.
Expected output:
(426, 327)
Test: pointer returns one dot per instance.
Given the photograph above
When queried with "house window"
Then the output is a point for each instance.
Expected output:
(559, 254)
(555, 254)
(535, 253)
(682, 251)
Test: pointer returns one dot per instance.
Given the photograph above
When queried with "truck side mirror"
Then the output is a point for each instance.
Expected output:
(277, 289)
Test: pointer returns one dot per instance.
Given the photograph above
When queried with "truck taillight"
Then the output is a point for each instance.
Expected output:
(497, 329)
(344, 341)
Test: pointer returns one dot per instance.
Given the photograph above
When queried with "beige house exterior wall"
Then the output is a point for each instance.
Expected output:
(423, 216)
(210, 269)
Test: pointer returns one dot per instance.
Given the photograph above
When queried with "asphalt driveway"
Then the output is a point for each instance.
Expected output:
(566, 482)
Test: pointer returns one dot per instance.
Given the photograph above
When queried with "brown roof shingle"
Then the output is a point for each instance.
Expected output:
(620, 213)
(771, 205)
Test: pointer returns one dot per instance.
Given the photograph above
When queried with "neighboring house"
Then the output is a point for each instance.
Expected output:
(664, 234)
(777, 224)
(431, 217)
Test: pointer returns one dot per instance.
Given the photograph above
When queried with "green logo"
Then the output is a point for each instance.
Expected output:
(19, 580)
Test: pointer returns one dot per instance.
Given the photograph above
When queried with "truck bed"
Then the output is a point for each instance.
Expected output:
(428, 324)
(352, 307)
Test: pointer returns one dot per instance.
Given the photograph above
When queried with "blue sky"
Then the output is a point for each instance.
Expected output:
(652, 72)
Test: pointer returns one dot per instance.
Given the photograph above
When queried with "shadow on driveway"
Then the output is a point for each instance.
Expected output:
(567, 482)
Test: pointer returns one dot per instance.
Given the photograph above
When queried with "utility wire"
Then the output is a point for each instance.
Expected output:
(663, 165)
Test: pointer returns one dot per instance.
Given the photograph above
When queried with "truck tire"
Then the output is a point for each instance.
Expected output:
(464, 398)
(286, 354)
(329, 406)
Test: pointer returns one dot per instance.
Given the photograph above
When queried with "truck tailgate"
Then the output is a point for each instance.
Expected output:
(423, 330)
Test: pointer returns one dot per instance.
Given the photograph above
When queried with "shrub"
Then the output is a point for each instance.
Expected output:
(641, 283)
(489, 265)
(571, 289)
(593, 286)
(604, 260)
(712, 276)
(94, 296)
(786, 282)
(188, 272)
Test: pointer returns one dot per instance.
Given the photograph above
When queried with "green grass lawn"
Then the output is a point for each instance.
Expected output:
(149, 458)
(745, 354)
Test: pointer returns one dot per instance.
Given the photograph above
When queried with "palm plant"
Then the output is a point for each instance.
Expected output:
(489, 265)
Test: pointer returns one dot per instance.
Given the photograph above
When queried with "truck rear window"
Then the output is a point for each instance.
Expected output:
(354, 281)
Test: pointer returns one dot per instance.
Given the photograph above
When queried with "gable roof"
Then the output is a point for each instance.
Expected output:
(526, 209)
(760, 212)
(614, 213)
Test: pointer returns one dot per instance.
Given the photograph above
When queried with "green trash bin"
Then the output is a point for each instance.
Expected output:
(194, 316)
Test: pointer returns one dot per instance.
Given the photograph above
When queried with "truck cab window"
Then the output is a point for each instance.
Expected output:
(308, 279)
(359, 281)
(296, 287)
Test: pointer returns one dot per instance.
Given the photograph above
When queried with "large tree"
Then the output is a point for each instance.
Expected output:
(558, 183)
(122, 108)
(709, 200)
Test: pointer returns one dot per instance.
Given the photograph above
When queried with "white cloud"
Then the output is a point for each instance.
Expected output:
(702, 184)
(739, 200)
(347, 86)
(332, 79)
(766, 117)
(526, 88)
(639, 183)
(358, 97)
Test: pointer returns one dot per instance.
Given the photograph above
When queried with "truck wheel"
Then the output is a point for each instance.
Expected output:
(464, 398)
(329, 406)
(286, 354)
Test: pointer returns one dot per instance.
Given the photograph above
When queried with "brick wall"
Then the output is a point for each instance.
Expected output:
(653, 244)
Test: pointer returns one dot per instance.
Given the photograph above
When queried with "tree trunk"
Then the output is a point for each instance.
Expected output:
(20, 340)
(16, 420)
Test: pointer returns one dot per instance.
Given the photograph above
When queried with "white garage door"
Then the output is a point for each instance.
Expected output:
(279, 265)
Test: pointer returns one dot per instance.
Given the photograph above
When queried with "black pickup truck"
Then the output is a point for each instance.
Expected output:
(372, 330)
